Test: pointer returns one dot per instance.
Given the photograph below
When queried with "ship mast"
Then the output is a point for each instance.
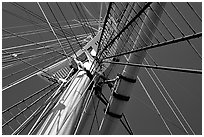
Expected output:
(91, 95)
(116, 104)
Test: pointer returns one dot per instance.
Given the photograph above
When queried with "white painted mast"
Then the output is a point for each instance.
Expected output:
(115, 106)
(62, 118)
(62, 121)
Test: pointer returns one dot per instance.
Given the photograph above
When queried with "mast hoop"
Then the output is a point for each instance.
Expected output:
(114, 115)
(120, 96)
(131, 80)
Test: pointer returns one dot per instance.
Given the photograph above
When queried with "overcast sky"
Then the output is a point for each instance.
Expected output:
(184, 88)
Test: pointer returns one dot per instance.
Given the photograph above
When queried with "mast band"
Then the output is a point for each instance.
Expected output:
(113, 114)
(120, 97)
(126, 78)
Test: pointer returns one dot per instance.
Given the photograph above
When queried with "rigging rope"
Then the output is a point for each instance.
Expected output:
(153, 25)
(34, 114)
(154, 106)
(95, 116)
(27, 76)
(87, 102)
(42, 42)
(167, 101)
(36, 16)
(21, 52)
(126, 121)
(74, 107)
(33, 103)
(165, 39)
(30, 96)
(84, 16)
(194, 11)
(181, 30)
(127, 25)
(197, 35)
(88, 11)
(52, 102)
(78, 17)
(36, 43)
(133, 27)
(171, 99)
(194, 71)
(128, 130)
(153, 110)
(61, 29)
(40, 36)
(36, 31)
(31, 57)
(156, 111)
(52, 29)
(13, 27)
(18, 63)
(29, 64)
(104, 24)
(101, 9)
(22, 70)
(69, 25)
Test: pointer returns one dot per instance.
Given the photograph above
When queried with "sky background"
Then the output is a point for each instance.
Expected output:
(184, 88)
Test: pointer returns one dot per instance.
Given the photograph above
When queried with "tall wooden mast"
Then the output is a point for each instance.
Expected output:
(128, 78)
